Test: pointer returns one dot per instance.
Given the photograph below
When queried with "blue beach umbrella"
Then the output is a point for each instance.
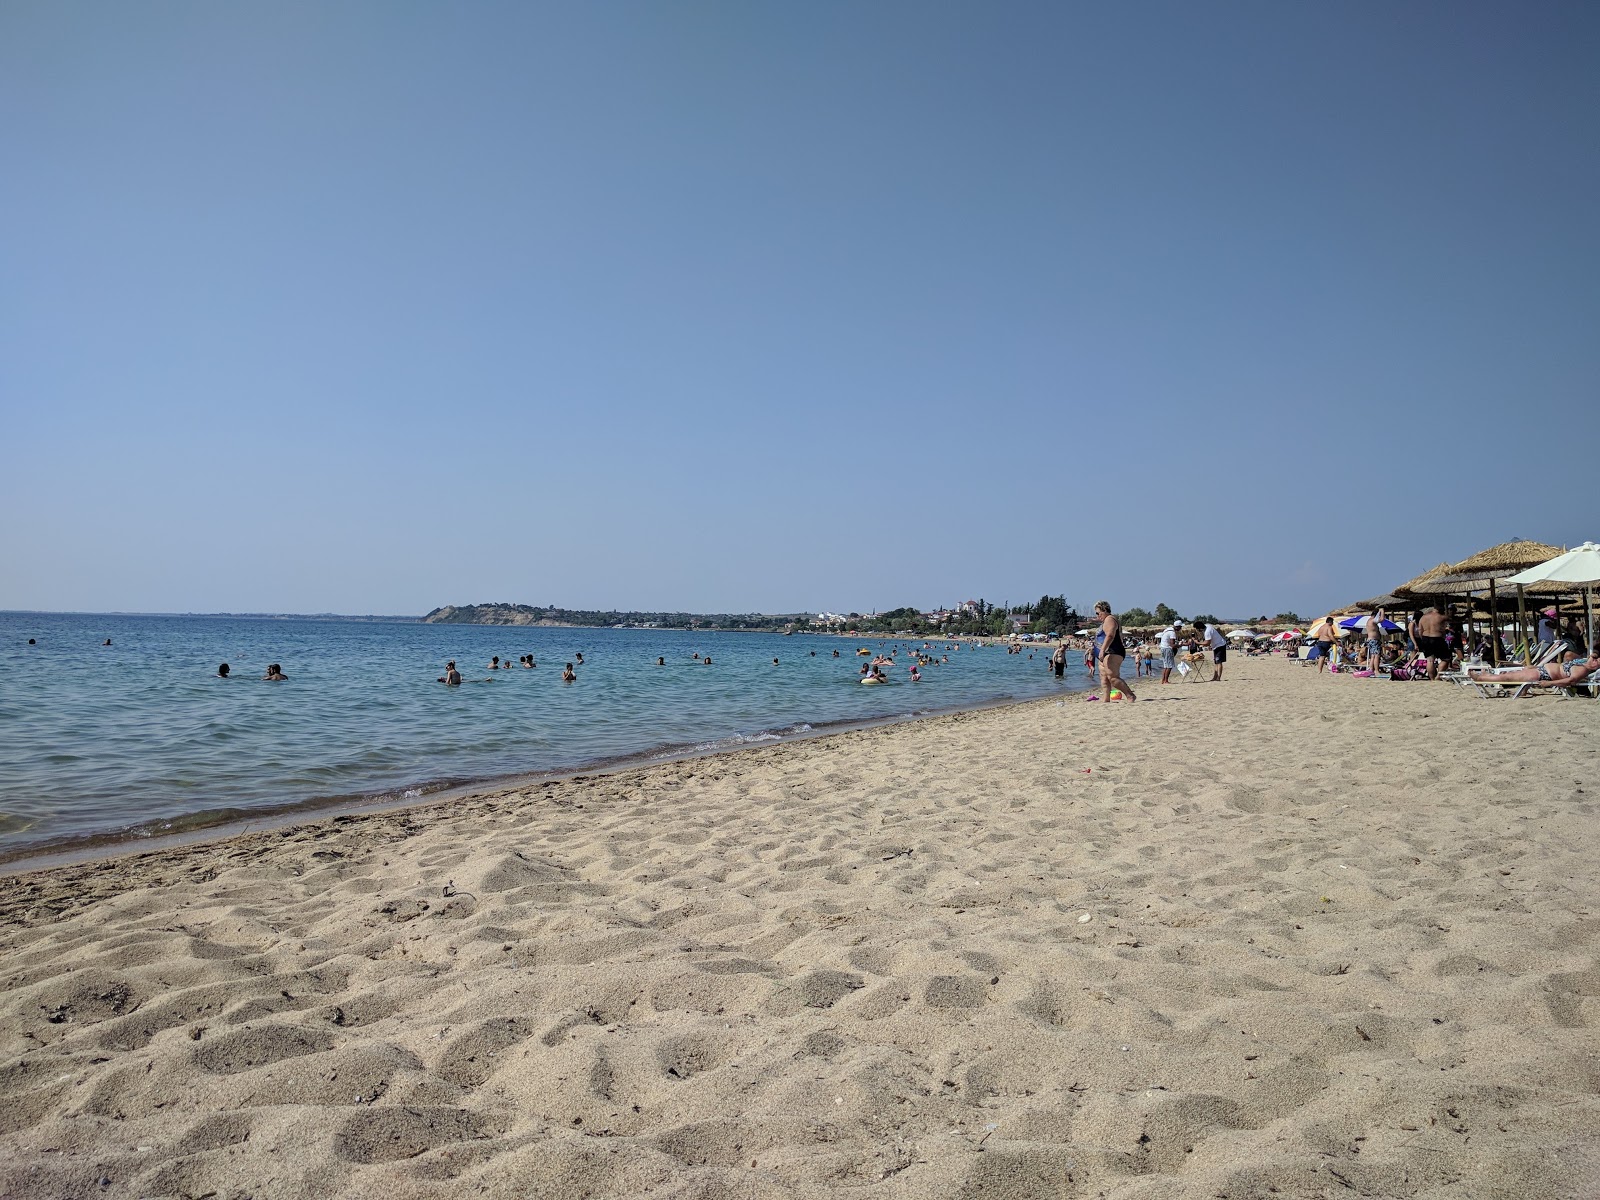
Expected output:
(1359, 621)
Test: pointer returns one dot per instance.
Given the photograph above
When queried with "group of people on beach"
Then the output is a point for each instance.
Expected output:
(1431, 644)
(1105, 654)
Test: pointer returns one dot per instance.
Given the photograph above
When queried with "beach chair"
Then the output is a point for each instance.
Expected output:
(1489, 689)
(1461, 677)
(1511, 690)
(1479, 664)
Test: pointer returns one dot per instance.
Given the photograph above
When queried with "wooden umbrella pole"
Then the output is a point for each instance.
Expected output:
(1494, 617)
(1522, 628)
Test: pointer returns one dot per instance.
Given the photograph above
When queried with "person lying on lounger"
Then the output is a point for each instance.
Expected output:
(1555, 674)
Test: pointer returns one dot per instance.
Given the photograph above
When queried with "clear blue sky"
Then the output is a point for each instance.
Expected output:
(730, 306)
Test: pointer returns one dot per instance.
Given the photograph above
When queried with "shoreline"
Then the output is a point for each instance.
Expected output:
(359, 745)
(231, 822)
(1287, 934)
(431, 810)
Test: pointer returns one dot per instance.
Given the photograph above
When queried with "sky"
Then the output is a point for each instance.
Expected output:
(742, 306)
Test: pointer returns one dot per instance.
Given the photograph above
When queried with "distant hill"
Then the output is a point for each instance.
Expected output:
(527, 614)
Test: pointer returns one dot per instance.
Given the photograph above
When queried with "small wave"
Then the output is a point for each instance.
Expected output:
(733, 740)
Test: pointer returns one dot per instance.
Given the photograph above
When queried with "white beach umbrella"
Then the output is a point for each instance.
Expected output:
(1243, 633)
(1580, 567)
(1577, 568)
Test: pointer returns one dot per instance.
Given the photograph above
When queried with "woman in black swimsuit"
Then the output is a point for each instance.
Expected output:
(1111, 657)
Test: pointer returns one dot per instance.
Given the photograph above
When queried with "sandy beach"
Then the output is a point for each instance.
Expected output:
(1283, 936)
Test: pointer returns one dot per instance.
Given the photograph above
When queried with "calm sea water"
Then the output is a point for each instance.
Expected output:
(139, 738)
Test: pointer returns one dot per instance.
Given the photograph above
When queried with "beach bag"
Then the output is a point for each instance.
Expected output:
(1184, 668)
(1400, 673)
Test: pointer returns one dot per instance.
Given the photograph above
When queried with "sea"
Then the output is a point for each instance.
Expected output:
(140, 740)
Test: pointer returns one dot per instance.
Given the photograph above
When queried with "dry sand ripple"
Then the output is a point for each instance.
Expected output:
(1280, 937)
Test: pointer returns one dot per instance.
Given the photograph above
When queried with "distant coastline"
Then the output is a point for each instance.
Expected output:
(553, 617)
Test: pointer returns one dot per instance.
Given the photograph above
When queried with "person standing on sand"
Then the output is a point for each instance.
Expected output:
(1374, 640)
(1112, 654)
(1325, 634)
(1431, 630)
(1169, 651)
(1219, 651)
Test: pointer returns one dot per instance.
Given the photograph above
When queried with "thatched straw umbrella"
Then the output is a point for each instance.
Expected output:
(1488, 567)
(1417, 589)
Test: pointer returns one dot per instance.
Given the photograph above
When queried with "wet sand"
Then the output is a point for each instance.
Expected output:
(1284, 936)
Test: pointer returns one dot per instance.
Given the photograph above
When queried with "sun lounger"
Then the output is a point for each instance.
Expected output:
(1464, 680)
(1515, 689)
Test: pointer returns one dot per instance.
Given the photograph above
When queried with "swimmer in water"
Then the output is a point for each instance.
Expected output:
(774, 662)
(451, 676)
(916, 677)
(836, 654)
(494, 663)
(579, 657)
(222, 670)
(706, 660)
(107, 642)
(661, 662)
(568, 675)
(274, 674)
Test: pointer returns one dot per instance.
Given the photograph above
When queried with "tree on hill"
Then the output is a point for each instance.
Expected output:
(1135, 617)
(1051, 613)
(1165, 614)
